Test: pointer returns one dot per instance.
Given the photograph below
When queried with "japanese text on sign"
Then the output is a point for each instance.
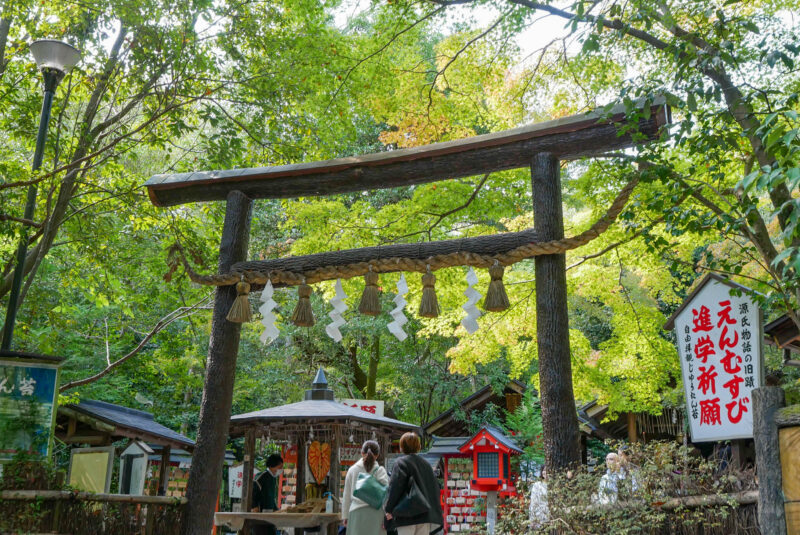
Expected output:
(27, 398)
(372, 406)
(719, 341)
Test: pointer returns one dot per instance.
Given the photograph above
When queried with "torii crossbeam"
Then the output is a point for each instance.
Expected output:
(540, 146)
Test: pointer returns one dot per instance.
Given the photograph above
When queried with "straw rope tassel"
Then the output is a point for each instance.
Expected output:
(370, 304)
(240, 311)
(303, 316)
(496, 298)
(429, 306)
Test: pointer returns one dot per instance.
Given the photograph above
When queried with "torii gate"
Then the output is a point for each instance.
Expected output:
(540, 146)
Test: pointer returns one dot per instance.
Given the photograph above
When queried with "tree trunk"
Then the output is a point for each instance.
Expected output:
(215, 410)
(68, 186)
(372, 374)
(5, 26)
(559, 416)
(359, 377)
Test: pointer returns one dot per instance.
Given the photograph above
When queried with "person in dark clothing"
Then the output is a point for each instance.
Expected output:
(265, 492)
(408, 468)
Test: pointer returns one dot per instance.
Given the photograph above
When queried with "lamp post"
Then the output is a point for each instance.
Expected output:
(54, 59)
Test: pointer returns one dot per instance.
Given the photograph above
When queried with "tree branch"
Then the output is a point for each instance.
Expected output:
(29, 222)
(440, 217)
(160, 326)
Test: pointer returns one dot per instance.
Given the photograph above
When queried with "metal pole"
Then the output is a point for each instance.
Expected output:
(51, 79)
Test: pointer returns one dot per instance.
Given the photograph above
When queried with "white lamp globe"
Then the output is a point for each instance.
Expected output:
(57, 55)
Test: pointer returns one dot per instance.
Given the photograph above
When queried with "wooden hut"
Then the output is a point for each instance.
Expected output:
(97, 423)
(316, 431)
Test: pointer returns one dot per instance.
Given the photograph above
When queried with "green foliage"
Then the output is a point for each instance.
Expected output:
(526, 425)
(169, 87)
(656, 474)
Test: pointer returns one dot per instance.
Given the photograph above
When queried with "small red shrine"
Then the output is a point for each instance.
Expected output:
(475, 472)
(491, 452)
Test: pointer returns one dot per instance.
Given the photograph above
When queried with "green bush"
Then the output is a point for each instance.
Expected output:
(656, 473)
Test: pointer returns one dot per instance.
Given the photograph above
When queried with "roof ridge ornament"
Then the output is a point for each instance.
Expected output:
(320, 381)
(319, 388)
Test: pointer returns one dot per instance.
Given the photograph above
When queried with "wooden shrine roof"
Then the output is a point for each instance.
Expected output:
(106, 421)
(314, 412)
(783, 333)
(576, 136)
(27, 357)
(446, 424)
(497, 434)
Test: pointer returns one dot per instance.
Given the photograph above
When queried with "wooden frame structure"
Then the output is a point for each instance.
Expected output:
(99, 423)
(540, 146)
(318, 416)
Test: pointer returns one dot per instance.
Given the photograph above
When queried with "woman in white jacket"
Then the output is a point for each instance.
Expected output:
(358, 516)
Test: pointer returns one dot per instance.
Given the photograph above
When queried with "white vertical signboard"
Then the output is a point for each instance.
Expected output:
(719, 342)
(235, 480)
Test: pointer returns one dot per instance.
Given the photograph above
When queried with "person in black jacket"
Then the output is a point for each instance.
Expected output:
(265, 492)
(408, 469)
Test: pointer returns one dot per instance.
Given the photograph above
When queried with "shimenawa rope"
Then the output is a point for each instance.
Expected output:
(434, 263)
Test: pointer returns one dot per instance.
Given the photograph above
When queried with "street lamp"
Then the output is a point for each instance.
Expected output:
(54, 59)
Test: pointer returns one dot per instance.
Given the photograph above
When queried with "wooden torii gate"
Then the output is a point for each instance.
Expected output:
(539, 146)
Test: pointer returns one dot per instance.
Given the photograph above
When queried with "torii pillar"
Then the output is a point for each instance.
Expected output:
(559, 416)
(223, 348)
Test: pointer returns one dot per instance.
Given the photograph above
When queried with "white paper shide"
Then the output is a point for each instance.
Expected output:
(470, 321)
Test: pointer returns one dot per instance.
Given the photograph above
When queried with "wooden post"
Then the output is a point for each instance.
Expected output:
(559, 416)
(584, 450)
(247, 470)
(247, 475)
(163, 471)
(771, 515)
(300, 495)
(737, 454)
(335, 487)
(150, 519)
(633, 433)
(205, 475)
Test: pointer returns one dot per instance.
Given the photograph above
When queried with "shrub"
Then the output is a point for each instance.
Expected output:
(644, 500)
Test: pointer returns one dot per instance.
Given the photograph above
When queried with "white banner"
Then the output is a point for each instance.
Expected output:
(372, 406)
(235, 479)
(719, 341)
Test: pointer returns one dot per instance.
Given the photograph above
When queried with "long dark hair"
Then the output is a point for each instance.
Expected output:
(372, 449)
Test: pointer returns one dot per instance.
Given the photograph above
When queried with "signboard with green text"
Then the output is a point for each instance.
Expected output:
(28, 390)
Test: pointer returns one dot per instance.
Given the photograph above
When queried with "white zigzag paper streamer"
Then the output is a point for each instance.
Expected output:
(470, 321)
(339, 306)
(268, 317)
(396, 326)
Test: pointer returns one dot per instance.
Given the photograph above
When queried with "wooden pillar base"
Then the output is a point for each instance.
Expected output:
(771, 515)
